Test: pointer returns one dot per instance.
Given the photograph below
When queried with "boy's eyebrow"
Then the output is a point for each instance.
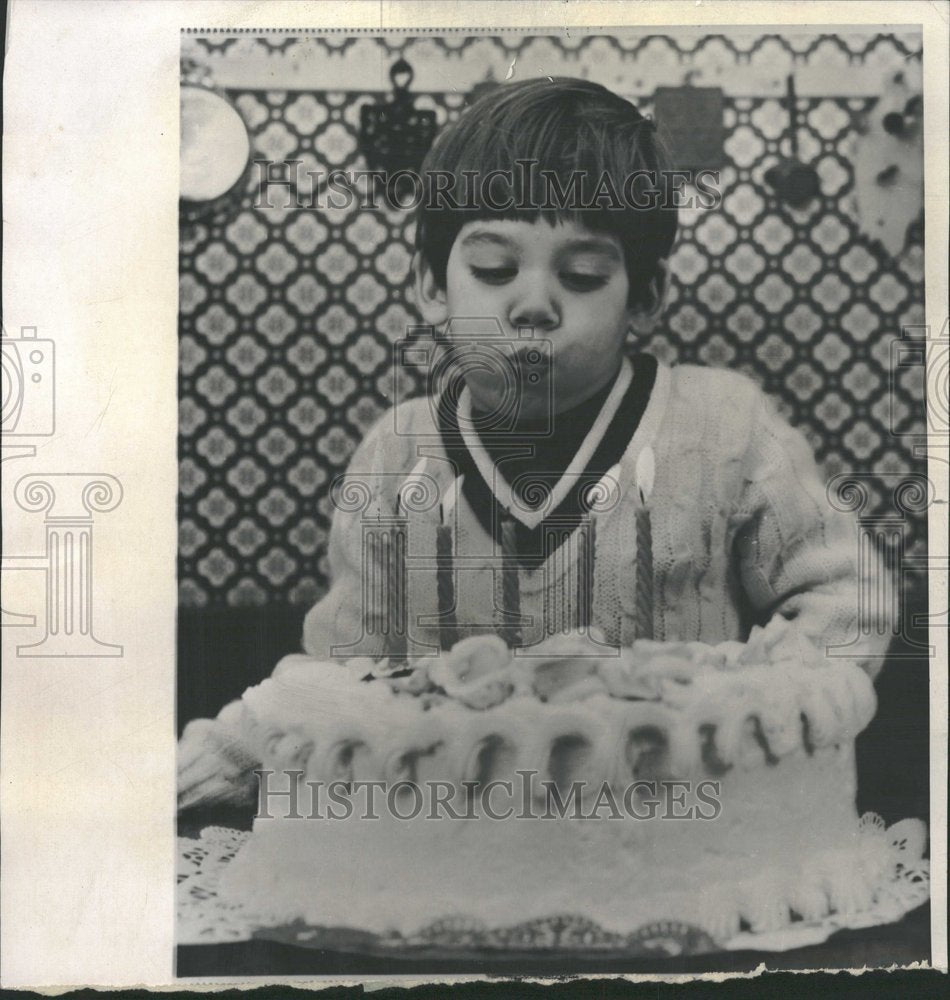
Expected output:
(486, 236)
(591, 244)
(583, 244)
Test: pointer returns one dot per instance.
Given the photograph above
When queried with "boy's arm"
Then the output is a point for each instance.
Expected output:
(339, 620)
(216, 757)
(801, 560)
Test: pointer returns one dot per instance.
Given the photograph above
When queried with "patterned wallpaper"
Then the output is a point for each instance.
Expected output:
(287, 320)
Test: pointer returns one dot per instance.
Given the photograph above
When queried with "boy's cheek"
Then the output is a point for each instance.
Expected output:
(454, 362)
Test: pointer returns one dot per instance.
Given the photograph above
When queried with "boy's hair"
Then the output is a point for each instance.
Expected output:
(566, 127)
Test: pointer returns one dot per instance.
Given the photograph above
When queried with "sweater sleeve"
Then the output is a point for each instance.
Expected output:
(343, 617)
(802, 562)
(216, 756)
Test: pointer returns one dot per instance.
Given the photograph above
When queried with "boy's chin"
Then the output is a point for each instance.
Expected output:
(510, 409)
(527, 406)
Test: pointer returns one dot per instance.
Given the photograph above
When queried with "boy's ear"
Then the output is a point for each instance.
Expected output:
(430, 298)
(646, 313)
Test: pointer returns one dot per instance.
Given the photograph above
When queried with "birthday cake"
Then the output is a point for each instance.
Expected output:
(711, 786)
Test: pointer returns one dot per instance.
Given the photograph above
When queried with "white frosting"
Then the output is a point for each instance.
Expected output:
(783, 843)
(779, 740)
(705, 715)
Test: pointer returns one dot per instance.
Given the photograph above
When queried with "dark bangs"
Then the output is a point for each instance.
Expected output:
(559, 149)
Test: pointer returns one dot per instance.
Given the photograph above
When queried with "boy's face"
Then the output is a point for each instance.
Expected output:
(566, 282)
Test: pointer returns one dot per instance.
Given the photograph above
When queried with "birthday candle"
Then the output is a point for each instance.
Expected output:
(600, 497)
(580, 576)
(586, 538)
(395, 549)
(645, 472)
(445, 573)
(510, 594)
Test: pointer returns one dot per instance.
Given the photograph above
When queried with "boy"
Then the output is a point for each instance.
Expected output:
(546, 431)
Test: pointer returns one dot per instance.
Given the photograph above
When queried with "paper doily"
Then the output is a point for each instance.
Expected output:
(204, 918)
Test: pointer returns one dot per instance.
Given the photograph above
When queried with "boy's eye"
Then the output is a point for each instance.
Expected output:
(579, 281)
(494, 275)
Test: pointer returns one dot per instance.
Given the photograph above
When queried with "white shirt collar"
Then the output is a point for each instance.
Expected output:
(499, 486)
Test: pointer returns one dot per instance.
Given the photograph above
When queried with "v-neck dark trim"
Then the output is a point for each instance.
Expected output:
(536, 544)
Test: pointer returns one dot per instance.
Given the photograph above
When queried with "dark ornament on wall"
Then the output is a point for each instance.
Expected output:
(795, 183)
(690, 120)
(395, 135)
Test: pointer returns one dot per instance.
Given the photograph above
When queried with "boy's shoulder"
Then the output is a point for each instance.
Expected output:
(714, 380)
(727, 414)
(409, 418)
(393, 439)
(702, 384)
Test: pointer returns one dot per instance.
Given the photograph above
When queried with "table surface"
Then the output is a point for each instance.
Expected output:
(900, 943)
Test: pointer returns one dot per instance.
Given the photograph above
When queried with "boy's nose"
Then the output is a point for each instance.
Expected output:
(534, 305)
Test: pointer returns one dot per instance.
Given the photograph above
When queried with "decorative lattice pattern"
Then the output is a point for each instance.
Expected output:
(287, 320)
(744, 62)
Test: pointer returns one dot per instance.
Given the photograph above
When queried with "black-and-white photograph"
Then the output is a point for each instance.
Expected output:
(552, 501)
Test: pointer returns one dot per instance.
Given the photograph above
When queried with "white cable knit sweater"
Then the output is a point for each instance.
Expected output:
(743, 534)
